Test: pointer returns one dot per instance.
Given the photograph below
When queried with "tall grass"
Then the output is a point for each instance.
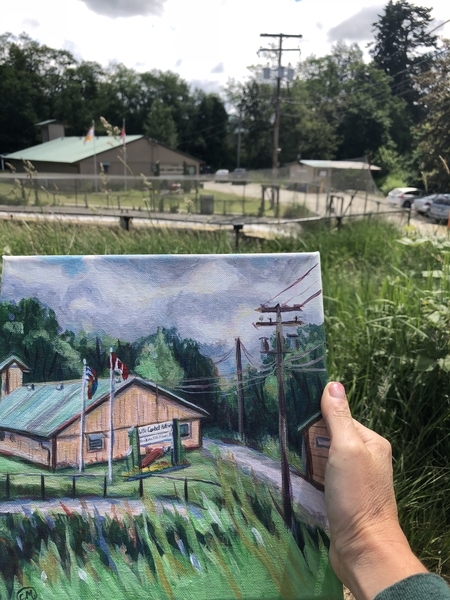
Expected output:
(388, 330)
(234, 547)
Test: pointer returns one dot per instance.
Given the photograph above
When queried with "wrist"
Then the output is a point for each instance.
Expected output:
(381, 562)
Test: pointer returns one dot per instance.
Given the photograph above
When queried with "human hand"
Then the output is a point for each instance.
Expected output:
(368, 551)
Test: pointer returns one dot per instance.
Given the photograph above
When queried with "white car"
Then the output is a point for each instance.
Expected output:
(404, 197)
(221, 176)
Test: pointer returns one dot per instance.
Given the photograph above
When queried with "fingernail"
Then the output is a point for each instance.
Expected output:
(337, 390)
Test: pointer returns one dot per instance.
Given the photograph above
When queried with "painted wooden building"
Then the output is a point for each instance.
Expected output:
(317, 442)
(41, 422)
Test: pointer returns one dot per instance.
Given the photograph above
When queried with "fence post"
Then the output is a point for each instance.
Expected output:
(141, 487)
(105, 484)
(8, 486)
(42, 487)
(73, 487)
(186, 492)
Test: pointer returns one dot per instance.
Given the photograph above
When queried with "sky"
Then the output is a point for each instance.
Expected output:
(209, 299)
(207, 42)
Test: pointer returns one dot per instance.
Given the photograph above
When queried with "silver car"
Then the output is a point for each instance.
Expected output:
(440, 208)
(404, 197)
(422, 205)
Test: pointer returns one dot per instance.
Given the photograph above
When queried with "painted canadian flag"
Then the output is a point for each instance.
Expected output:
(118, 366)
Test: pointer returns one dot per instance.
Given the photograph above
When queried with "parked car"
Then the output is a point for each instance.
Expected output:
(238, 177)
(440, 208)
(404, 197)
(221, 176)
(422, 205)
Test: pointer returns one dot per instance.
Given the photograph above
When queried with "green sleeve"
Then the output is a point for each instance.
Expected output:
(417, 587)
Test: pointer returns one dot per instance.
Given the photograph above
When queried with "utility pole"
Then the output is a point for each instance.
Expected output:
(240, 391)
(279, 51)
(279, 352)
(238, 160)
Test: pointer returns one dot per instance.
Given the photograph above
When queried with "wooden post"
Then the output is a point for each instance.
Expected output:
(105, 487)
(42, 487)
(8, 486)
(186, 492)
(73, 487)
(141, 487)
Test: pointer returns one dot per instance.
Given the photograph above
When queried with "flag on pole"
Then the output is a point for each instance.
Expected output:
(123, 134)
(90, 135)
(118, 366)
(91, 382)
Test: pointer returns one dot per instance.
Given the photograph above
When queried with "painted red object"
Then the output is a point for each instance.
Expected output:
(151, 454)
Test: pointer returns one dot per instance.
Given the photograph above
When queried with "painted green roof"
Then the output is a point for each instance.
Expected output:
(70, 149)
(45, 410)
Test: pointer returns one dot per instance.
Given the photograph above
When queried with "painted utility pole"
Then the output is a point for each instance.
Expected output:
(280, 73)
(82, 418)
(240, 391)
(279, 352)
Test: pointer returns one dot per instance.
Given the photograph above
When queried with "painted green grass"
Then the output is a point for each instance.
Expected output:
(237, 546)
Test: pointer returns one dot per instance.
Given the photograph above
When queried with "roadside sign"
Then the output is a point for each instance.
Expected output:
(155, 433)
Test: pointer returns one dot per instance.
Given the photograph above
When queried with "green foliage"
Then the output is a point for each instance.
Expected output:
(401, 44)
(433, 135)
(157, 363)
(160, 125)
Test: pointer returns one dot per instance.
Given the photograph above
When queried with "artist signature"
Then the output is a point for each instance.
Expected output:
(27, 593)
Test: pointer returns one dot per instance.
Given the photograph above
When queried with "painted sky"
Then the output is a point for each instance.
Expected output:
(211, 299)
(205, 41)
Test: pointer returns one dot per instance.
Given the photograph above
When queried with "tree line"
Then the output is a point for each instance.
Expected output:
(30, 331)
(391, 109)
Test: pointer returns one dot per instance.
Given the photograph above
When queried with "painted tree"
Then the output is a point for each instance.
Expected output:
(158, 364)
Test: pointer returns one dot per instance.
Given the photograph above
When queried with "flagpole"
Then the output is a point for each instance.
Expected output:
(124, 153)
(111, 408)
(82, 419)
(95, 154)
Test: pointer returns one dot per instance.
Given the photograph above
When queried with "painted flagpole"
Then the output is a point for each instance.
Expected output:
(95, 154)
(82, 421)
(111, 408)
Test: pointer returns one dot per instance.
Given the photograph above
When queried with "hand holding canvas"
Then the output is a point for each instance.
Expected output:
(369, 551)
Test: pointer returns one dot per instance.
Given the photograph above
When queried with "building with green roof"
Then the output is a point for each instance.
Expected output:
(41, 422)
(78, 156)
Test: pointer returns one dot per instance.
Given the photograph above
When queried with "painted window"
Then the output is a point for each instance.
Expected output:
(184, 430)
(322, 441)
(95, 441)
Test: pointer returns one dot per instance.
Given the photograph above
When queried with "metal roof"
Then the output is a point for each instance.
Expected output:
(70, 150)
(45, 410)
(339, 164)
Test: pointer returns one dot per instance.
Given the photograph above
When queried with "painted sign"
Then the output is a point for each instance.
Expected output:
(155, 433)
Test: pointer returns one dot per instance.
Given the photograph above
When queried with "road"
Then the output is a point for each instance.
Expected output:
(308, 500)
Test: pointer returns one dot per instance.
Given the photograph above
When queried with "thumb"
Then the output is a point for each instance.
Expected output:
(337, 415)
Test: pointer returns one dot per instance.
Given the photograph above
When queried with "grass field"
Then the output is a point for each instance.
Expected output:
(157, 198)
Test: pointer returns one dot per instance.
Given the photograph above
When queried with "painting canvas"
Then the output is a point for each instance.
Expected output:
(160, 431)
